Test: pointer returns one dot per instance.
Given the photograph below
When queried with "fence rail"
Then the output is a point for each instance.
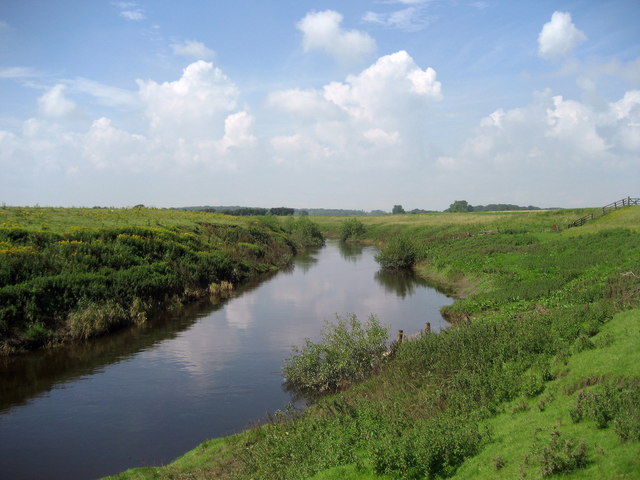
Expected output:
(625, 202)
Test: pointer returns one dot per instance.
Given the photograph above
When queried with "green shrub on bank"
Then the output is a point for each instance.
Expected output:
(351, 229)
(303, 232)
(349, 351)
(400, 252)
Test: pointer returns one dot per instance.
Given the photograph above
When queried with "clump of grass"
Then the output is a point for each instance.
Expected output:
(221, 290)
(92, 319)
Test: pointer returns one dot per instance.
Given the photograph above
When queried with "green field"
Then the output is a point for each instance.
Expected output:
(539, 376)
(71, 274)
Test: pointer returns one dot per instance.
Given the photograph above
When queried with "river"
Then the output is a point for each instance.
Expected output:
(145, 395)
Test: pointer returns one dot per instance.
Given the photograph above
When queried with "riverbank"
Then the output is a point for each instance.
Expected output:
(546, 319)
(68, 274)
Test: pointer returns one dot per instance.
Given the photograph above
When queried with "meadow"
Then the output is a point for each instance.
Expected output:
(538, 377)
(71, 274)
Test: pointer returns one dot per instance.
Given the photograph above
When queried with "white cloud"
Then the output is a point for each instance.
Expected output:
(105, 94)
(410, 19)
(322, 31)
(554, 134)
(237, 132)
(559, 36)
(194, 106)
(374, 118)
(18, 72)
(130, 11)
(192, 122)
(53, 102)
(192, 49)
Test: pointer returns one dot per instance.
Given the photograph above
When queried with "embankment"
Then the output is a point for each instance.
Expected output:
(71, 274)
(542, 341)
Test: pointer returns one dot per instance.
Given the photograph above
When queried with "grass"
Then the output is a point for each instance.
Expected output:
(518, 434)
(78, 273)
(549, 314)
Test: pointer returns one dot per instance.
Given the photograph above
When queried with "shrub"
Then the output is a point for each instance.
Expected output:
(349, 351)
(351, 229)
(562, 456)
(398, 253)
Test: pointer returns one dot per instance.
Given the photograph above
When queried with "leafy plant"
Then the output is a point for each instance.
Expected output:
(349, 351)
(351, 229)
(399, 252)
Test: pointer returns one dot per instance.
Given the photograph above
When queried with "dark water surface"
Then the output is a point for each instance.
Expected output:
(146, 395)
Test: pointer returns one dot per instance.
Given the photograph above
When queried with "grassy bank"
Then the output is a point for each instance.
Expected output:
(77, 273)
(539, 376)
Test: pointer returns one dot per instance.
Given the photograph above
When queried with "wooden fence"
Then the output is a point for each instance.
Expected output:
(625, 202)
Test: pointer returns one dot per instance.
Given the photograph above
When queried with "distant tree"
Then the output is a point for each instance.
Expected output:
(282, 211)
(460, 206)
(397, 209)
(378, 212)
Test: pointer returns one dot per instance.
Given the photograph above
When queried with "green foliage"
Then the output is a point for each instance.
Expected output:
(303, 232)
(562, 455)
(616, 402)
(460, 206)
(398, 253)
(397, 210)
(80, 282)
(348, 352)
(352, 229)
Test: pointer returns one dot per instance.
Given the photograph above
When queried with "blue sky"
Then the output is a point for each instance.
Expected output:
(360, 104)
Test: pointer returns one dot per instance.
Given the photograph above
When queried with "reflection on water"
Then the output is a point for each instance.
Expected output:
(148, 394)
(351, 252)
(401, 282)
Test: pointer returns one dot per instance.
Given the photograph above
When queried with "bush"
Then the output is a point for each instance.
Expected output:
(351, 229)
(349, 351)
(398, 253)
(562, 456)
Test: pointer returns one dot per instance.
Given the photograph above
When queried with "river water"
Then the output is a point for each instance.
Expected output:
(147, 394)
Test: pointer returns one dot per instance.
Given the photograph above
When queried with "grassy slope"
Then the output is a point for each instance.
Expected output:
(78, 272)
(522, 427)
(517, 433)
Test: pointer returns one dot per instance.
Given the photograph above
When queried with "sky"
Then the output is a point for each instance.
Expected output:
(319, 104)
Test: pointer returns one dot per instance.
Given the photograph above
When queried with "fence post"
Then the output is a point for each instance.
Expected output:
(400, 336)
(427, 329)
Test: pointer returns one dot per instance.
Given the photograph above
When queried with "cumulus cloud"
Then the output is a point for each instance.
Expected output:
(559, 36)
(192, 121)
(373, 118)
(193, 106)
(323, 31)
(560, 146)
(55, 104)
(554, 134)
(192, 49)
